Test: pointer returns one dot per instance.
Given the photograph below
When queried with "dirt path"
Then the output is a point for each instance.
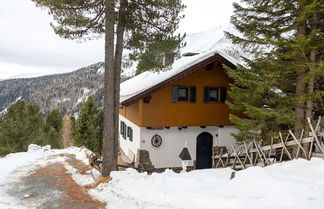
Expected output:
(51, 187)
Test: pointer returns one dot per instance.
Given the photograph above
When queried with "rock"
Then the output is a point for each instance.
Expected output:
(232, 175)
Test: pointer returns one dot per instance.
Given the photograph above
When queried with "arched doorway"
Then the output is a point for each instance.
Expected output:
(204, 150)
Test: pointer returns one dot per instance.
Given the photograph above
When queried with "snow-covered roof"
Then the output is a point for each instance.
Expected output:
(147, 80)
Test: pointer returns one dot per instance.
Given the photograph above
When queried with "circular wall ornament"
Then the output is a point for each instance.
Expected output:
(156, 140)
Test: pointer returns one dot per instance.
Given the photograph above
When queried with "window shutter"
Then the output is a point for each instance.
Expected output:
(206, 94)
(121, 127)
(130, 134)
(124, 130)
(175, 95)
(223, 94)
(193, 94)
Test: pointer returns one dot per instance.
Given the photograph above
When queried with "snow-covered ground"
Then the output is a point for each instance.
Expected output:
(17, 165)
(298, 184)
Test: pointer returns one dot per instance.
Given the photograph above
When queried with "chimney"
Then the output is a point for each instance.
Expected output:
(168, 58)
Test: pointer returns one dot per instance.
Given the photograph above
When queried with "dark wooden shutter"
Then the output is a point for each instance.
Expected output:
(223, 95)
(124, 130)
(193, 94)
(121, 127)
(130, 134)
(175, 95)
(206, 94)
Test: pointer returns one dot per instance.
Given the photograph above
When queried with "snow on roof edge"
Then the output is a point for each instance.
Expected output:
(147, 80)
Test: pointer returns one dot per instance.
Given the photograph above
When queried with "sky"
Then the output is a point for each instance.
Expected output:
(29, 47)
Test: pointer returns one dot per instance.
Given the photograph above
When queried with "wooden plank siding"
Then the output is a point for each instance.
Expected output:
(162, 112)
(133, 112)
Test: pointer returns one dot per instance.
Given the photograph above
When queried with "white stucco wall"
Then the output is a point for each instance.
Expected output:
(173, 141)
(224, 135)
(129, 147)
(167, 155)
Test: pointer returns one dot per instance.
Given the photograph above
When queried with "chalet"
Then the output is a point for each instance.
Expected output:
(161, 112)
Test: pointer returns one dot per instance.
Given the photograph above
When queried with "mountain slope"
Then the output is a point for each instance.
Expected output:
(62, 91)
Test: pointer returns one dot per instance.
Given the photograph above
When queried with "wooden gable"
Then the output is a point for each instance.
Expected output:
(210, 63)
(155, 108)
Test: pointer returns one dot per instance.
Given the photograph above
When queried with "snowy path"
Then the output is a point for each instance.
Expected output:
(297, 184)
(43, 179)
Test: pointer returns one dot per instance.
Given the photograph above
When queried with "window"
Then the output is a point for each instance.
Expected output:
(183, 93)
(123, 129)
(130, 133)
(210, 94)
(214, 94)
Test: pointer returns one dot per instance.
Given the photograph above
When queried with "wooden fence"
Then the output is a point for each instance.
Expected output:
(279, 149)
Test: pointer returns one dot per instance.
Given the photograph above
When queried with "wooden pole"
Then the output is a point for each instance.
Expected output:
(284, 145)
(259, 153)
(220, 158)
(299, 145)
(237, 156)
(319, 145)
(247, 153)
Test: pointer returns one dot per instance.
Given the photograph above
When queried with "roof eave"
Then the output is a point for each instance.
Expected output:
(177, 77)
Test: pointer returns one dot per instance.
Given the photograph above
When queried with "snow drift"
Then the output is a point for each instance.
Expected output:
(297, 184)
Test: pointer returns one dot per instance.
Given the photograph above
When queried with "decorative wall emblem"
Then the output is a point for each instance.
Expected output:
(156, 140)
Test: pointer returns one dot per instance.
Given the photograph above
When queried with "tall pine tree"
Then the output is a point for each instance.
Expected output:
(53, 127)
(89, 126)
(276, 88)
(134, 24)
(151, 58)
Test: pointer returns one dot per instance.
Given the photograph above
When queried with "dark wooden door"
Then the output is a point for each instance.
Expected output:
(204, 150)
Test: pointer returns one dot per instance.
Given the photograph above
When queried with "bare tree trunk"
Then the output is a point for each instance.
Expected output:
(310, 86)
(300, 90)
(312, 58)
(108, 147)
(118, 61)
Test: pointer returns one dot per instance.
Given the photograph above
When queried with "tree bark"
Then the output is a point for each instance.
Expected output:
(310, 86)
(109, 147)
(118, 61)
(312, 58)
(300, 90)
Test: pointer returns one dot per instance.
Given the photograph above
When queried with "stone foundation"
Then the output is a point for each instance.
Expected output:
(143, 160)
